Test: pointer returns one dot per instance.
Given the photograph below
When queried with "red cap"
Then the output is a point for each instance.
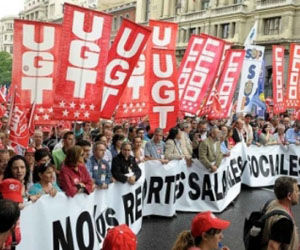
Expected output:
(205, 221)
(30, 150)
(120, 238)
(11, 189)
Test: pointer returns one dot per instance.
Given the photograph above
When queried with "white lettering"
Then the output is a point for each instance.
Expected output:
(157, 97)
(166, 39)
(163, 114)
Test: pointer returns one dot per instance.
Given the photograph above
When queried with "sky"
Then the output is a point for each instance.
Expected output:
(10, 7)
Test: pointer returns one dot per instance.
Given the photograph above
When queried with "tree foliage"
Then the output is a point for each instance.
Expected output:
(5, 68)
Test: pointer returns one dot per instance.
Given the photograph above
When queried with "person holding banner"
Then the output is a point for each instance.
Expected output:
(74, 177)
(239, 134)
(292, 135)
(124, 167)
(266, 138)
(205, 234)
(210, 154)
(154, 149)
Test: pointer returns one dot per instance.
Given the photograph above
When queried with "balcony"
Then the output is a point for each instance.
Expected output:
(264, 4)
(191, 16)
(231, 9)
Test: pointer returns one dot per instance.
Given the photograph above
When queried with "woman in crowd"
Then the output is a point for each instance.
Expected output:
(205, 234)
(43, 178)
(29, 157)
(230, 141)
(18, 168)
(173, 145)
(42, 156)
(117, 141)
(280, 135)
(255, 140)
(137, 150)
(74, 177)
(266, 138)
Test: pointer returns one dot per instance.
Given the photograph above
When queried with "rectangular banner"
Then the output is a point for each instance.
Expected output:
(135, 98)
(292, 94)
(228, 82)
(211, 92)
(35, 61)
(278, 79)
(84, 52)
(123, 56)
(249, 77)
(203, 76)
(161, 72)
(188, 61)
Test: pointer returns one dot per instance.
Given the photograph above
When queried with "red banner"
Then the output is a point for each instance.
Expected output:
(278, 80)
(162, 75)
(228, 82)
(84, 52)
(188, 62)
(202, 77)
(123, 56)
(35, 61)
(292, 94)
(135, 98)
(207, 105)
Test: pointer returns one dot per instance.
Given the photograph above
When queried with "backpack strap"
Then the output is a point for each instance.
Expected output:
(275, 212)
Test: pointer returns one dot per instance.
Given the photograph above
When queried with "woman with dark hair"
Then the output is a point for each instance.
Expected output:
(173, 149)
(116, 144)
(205, 234)
(42, 156)
(18, 168)
(74, 177)
(266, 138)
(43, 178)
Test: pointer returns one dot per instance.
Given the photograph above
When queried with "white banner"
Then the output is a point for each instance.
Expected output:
(249, 77)
(81, 222)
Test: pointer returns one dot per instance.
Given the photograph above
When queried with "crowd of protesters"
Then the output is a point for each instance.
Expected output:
(91, 156)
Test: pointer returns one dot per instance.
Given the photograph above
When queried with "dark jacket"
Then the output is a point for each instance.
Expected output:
(100, 171)
(120, 166)
(235, 136)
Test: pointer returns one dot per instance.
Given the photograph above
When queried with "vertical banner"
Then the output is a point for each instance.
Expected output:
(203, 75)
(249, 78)
(35, 61)
(135, 98)
(292, 94)
(84, 52)
(278, 71)
(207, 105)
(188, 62)
(123, 56)
(258, 104)
(162, 75)
(228, 82)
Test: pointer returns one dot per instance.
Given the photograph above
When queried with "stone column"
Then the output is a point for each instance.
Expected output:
(191, 5)
(166, 8)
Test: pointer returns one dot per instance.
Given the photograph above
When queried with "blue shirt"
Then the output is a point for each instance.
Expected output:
(291, 136)
(155, 150)
(100, 170)
(37, 188)
(224, 148)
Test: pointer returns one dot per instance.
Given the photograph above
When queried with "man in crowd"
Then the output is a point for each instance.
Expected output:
(60, 154)
(186, 143)
(9, 215)
(248, 129)
(155, 148)
(292, 135)
(199, 136)
(4, 157)
(239, 132)
(38, 140)
(280, 231)
(210, 154)
(124, 167)
(107, 155)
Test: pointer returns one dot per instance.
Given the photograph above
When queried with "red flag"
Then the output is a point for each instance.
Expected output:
(35, 61)
(19, 130)
(278, 81)
(202, 77)
(292, 94)
(228, 82)
(188, 62)
(84, 52)
(212, 90)
(162, 75)
(123, 56)
(135, 98)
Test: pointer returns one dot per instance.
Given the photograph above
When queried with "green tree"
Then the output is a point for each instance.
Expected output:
(5, 68)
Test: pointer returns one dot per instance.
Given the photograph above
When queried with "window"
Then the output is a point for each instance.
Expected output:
(205, 4)
(147, 10)
(11, 37)
(192, 31)
(216, 30)
(225, 30)
(121, 19)
(237, 1)
(272, 25)
(51, 10)
(5, 37)
(115, 27)
(127, 16)
(232, 29)
(11, 49)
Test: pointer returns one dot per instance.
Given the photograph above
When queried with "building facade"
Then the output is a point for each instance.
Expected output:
(125, 10)
(7, 34)
(278, 22)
